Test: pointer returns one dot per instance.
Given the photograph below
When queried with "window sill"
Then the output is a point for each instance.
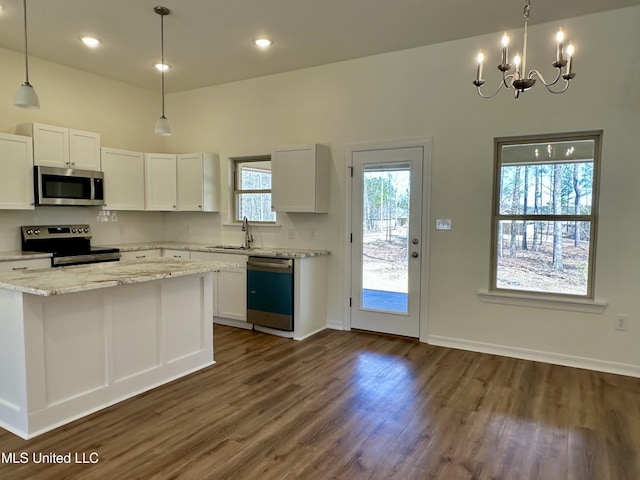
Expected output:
(543, 301)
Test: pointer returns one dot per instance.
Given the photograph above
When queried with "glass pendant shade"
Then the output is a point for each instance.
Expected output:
(163, 127)
(26, 97)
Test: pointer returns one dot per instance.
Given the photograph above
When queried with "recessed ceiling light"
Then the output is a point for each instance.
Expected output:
(162, 67)
(90, 42)
(263, 42)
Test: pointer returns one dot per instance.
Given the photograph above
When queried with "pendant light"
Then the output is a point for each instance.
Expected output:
(26, 96)
(162, 125)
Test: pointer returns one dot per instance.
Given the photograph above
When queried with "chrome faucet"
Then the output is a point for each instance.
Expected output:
(248, 238)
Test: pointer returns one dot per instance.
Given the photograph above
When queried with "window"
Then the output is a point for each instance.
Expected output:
(252, 190)
(545, 214)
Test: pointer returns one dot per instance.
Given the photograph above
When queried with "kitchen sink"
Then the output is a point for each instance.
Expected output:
(226, 247)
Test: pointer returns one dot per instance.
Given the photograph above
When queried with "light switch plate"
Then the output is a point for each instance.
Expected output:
(443, 224)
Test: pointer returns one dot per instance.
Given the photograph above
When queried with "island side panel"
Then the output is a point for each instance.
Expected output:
(310, 293)
(13, 385)
(89, 350)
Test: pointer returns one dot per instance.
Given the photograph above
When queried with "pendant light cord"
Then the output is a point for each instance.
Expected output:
(26, 43)
(161, 55)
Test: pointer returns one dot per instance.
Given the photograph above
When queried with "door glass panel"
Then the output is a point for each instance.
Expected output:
(385, 227)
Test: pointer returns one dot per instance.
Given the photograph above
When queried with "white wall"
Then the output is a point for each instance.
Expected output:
(417, 93)
(427, 92)
(122, 114)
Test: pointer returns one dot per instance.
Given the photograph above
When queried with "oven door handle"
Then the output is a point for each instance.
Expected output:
(79, 259)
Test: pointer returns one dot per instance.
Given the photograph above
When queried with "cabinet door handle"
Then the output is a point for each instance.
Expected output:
(19, 268)
(141, 256)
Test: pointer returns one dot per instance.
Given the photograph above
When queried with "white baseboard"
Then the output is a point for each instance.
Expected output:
(310, 334)
(335, 325)
(233, 323)
(537, 356)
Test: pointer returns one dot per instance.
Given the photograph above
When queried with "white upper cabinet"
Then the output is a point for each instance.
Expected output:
(16, 181)
(160, 181)
(198, 182)
(63, 147)
(84, 150)
(300, 179)
(123, 179)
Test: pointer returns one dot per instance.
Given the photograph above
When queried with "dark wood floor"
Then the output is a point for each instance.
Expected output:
(348, 405)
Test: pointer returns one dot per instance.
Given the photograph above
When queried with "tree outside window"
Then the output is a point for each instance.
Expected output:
(252, 190)
(545, 213)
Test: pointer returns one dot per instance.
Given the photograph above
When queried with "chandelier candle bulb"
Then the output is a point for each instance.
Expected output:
(505, 49)
(570, 51)
(516, 62)
(560, 46)
(480, 59)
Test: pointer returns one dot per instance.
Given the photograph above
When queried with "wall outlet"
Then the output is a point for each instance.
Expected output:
(621, 322)
(291, 233)
(443, 224)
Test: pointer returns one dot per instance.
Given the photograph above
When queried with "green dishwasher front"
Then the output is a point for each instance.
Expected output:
(270, 292)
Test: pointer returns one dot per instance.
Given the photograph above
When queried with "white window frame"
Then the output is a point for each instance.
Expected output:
(497, 217)
(235, 162)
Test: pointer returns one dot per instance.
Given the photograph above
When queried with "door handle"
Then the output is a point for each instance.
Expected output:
(414, 254)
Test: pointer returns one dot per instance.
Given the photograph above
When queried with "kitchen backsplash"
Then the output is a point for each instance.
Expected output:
(130, 227)
(302, 231)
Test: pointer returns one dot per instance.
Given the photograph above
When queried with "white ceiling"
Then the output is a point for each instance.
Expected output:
(209, 42)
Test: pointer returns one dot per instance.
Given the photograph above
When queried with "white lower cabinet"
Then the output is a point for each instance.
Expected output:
(26, 264)
(229, 286)
(140, 254)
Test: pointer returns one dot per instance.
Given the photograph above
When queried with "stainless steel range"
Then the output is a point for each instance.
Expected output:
(69, 244)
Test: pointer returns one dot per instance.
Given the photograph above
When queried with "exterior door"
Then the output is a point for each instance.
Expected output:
(387, 240)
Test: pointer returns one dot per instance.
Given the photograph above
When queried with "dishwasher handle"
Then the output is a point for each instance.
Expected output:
(263, 263)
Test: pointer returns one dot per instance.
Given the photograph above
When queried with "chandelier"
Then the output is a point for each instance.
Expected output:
(520, 80)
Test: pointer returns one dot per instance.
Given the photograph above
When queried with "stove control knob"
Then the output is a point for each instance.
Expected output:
(37, 231)
(86, 229)
(29, 232)
(73, 230)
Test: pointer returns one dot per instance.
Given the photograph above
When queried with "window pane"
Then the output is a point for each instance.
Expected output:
(385, 243)
(254, 175)
(546, 257)
(255, 206)
(546, 189)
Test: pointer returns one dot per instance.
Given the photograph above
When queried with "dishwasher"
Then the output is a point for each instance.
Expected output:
(270, 292)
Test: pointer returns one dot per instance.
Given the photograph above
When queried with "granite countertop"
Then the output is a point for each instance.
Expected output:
(203, 247)
(19, 255)
(61, 280)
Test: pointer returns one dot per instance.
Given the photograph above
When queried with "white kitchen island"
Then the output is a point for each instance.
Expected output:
(74, 340)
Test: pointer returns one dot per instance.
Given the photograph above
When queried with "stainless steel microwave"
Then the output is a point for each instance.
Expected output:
(67, 186)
